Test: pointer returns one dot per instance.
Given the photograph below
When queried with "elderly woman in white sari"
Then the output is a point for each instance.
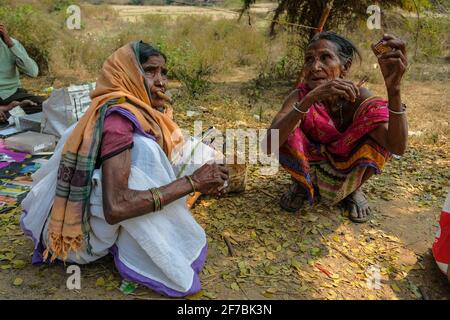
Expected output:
(111, 186)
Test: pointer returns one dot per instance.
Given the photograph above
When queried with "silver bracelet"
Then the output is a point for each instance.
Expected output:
(297, 109)
(398, 112)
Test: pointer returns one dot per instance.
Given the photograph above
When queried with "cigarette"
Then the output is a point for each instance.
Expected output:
(163, 96)
(362, 81)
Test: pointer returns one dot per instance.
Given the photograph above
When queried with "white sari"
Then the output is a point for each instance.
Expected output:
(164, 251)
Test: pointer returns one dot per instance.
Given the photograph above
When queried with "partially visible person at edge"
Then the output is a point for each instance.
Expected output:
(116, 190)
(13, 60)
(441, 246)
(335, 135)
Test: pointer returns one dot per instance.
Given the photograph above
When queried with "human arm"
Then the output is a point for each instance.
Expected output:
(121, 203)
(394, 134)
(288, 118)
(23, 60)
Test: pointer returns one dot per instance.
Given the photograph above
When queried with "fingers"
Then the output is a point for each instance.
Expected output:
(351, 92)
(396, 61)
(224, 176)
(348, 83)
(342, 93)
(394, 54)
(353, 87)
(394, 42)
(13, 104)
(224, 169)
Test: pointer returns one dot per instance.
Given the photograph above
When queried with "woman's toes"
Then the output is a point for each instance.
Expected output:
(353, 211)
(360, 213)
(363, 213)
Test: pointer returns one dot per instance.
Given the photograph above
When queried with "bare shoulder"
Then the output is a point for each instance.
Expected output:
(364, 93)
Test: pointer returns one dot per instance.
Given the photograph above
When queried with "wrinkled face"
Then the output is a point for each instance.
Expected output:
(322, 63)
(155, 70)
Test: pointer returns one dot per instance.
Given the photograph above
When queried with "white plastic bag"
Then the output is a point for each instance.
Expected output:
(65, 107)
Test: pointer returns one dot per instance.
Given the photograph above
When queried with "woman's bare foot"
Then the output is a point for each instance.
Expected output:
(358, 207)
(294, 198)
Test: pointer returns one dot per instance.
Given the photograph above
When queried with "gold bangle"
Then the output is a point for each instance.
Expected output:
(156, 199)
(160, 198)
(192, 184)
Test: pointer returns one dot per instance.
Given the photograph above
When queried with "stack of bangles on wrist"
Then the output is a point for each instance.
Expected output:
(157, 198)
(297, 106)
(192, 184)
(398, 112)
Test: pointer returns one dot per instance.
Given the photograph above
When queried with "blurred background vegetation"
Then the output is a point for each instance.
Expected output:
(202, 48)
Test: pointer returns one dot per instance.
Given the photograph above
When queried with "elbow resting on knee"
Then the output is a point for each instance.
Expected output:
(112, 216)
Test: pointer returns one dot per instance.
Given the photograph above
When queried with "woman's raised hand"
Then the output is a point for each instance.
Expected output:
(210, 178)
(393, 64)
(333, 90)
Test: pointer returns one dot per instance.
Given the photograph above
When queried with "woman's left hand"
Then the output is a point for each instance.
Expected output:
(393, 64)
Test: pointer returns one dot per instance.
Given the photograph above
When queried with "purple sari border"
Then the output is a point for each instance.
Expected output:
(130, 116)
(158, 287)
(37, 258)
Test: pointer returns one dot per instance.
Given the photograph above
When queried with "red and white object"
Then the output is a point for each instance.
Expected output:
(441, 246)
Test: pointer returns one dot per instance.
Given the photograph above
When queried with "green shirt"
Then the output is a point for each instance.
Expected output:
(11, 61)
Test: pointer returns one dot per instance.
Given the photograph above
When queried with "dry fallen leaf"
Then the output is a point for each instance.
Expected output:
(18, 281)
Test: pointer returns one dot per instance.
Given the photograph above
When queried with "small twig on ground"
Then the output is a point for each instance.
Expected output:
(231, 251)
(348, 257)
(245, 293)
(267, 193)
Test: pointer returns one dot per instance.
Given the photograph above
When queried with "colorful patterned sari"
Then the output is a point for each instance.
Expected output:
(331, 163)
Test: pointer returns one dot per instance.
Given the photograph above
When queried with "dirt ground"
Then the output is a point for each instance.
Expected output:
(314, 254)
